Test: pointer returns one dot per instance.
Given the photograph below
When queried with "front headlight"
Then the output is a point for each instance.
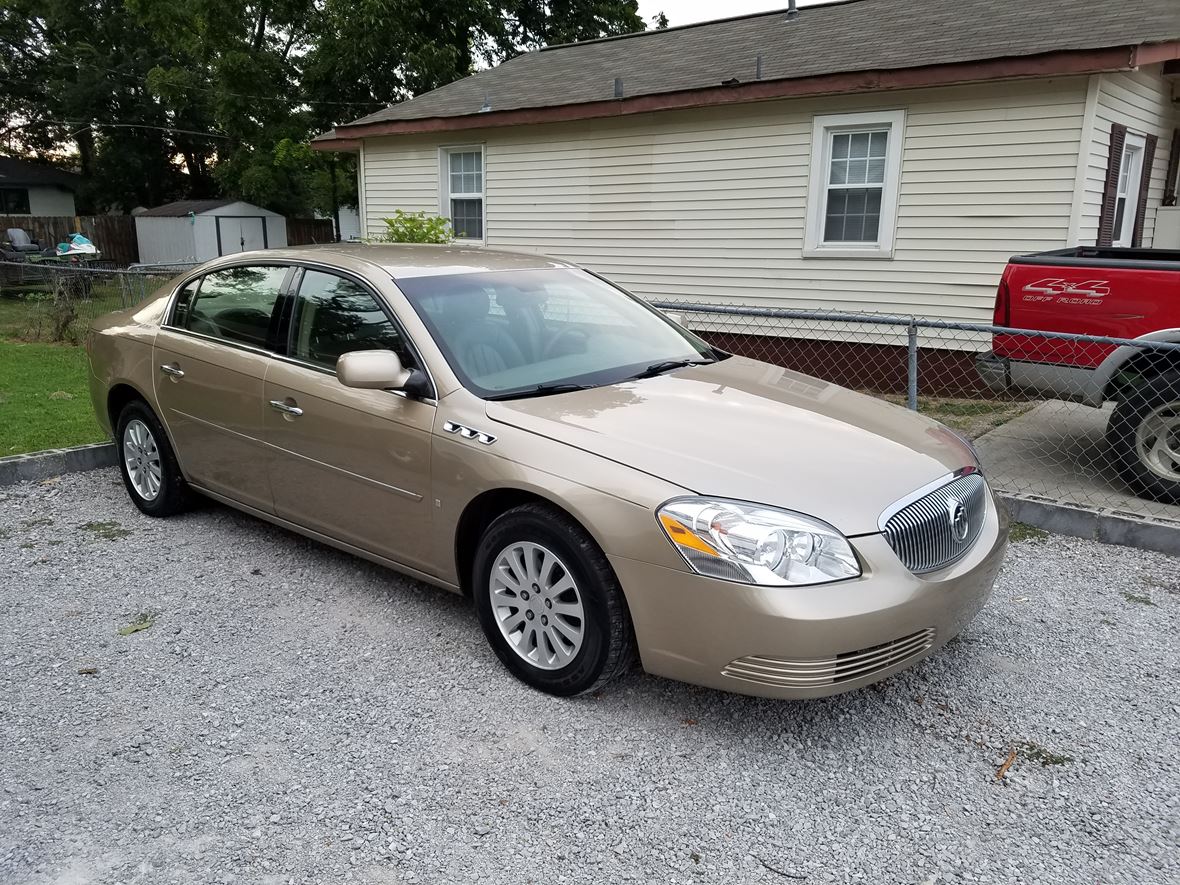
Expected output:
(753, 544)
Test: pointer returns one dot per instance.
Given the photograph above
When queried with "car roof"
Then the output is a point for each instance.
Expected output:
(404, 261)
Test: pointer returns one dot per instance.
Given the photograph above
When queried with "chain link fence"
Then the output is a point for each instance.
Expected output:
(54, 302)
(1049, 424)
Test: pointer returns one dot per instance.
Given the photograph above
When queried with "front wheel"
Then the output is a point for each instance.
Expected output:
(549, 602)
(1145, 437)
(150, 471)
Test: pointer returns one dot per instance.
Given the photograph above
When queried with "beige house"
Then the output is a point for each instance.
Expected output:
(864, 155)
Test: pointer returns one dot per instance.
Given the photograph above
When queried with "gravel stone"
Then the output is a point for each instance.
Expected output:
(296, 715)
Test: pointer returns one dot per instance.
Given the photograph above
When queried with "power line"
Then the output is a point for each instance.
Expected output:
(116, 126)
(278, 98)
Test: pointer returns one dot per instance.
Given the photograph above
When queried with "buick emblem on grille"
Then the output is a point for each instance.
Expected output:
(959, 520)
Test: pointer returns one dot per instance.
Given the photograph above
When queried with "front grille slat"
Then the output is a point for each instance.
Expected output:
(845, 667)
(921, 533)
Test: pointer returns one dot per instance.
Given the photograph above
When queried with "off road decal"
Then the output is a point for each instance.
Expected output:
(1066, 291)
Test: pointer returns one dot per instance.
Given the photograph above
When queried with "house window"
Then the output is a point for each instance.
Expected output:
(462, 197)
(852, 202)
(1126, 200)
(14, 201)
(1124, 194)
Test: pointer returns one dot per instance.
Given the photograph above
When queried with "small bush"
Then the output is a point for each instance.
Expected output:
(416, 227)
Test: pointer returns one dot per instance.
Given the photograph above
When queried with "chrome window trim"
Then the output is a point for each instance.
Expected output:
(298, 264)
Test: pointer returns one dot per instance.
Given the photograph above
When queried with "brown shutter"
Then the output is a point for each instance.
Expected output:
(1173, 168)
(1114, 162)
(1149, 142)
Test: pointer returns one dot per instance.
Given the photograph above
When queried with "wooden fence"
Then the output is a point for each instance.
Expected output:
(114, 235)
(309, 231)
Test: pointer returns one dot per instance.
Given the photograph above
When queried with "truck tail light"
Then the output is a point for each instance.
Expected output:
(1003, 313)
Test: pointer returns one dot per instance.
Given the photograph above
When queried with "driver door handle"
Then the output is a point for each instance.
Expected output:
(174, 371)
(286, 408)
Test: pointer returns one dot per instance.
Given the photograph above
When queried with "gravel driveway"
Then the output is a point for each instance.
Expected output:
(293, 714)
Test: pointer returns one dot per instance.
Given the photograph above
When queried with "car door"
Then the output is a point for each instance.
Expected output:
(351, 464)
(211, 356)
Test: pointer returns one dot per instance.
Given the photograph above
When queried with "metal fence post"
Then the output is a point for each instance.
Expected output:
(912, 366)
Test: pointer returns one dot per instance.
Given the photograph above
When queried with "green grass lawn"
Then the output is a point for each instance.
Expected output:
(44, 398)
(28, 314)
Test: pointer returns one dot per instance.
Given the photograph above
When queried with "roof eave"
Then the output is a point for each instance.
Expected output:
(337, 144)
(1073, 62)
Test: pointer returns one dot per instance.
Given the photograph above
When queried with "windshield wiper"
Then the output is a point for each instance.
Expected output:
(539, 390)
(667, 366)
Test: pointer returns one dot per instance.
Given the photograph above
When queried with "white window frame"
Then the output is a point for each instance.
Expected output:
(444, 186)
(1127, 188)
(824, 127)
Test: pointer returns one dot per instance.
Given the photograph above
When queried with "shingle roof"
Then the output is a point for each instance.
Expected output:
(849, 36)
(184, 207)
(16, 171)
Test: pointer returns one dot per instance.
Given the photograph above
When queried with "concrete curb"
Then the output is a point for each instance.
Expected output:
(54, 462)
(1106, 526)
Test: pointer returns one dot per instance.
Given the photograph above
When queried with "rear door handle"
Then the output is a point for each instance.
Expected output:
(286, 408)
(174, 371)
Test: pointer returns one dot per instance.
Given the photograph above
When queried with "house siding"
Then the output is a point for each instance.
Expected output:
(710, 204)
(1142, 101)
(50, 201)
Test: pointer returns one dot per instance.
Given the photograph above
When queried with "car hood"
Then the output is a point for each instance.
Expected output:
(754, 432)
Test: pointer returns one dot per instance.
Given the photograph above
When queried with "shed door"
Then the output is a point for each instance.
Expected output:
(241, 234)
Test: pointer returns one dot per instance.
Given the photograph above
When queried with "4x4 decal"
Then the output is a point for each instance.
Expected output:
(1066, 291)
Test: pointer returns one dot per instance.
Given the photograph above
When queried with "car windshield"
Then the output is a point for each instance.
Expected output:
(510, 334)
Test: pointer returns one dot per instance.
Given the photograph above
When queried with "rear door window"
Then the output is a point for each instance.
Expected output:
(235, 304)
(334, 315)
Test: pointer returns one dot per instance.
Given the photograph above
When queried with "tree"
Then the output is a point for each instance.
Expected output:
(70, 70)
(157, 100)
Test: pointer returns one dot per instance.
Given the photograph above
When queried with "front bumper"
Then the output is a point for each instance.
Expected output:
(805, 642)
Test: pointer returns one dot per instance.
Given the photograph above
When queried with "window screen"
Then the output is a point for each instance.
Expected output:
(856, 182)
(464, 182)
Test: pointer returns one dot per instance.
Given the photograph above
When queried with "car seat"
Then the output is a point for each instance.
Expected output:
(480, 346)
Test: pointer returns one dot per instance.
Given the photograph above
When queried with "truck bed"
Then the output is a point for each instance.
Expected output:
(1117, 292)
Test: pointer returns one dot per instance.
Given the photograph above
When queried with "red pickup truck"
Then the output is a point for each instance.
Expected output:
(1112, 292)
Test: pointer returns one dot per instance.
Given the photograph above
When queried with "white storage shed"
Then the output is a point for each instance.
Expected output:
(197, 230)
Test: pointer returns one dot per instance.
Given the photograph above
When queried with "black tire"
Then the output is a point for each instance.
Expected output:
(174, 495)
(1156, 393)
(607, 649)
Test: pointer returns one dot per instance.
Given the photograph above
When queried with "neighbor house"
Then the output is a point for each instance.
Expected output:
(871, 154)
(28, 188)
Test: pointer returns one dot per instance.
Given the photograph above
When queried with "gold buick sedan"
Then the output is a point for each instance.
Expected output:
(602, 482)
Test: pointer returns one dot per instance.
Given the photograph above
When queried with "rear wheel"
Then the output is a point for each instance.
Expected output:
(149, 467)
(549, 602)
(1145, 437)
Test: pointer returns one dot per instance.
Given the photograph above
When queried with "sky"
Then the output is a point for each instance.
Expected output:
(685, 12)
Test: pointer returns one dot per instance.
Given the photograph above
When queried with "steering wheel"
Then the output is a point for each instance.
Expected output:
(577, 338)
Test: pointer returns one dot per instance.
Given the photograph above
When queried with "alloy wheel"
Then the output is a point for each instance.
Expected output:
(141, 456)
(536, 605)
(1157, 441)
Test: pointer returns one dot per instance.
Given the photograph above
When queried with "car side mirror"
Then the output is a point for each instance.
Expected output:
(372, 370)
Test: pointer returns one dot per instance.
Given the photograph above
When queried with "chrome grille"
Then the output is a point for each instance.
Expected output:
(923, 534)
(829, 671)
